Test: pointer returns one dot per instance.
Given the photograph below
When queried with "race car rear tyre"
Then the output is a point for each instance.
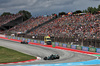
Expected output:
(57, 57)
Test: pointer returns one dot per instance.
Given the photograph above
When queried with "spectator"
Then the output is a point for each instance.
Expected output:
(72, 26)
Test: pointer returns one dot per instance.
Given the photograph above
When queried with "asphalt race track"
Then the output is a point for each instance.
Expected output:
(39, 51)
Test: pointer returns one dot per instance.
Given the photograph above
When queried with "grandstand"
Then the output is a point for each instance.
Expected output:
(84, 26)
(82, 29)
(71, 26)
(29, 24)
(8, 21)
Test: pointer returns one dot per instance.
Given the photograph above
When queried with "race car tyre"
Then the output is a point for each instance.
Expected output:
(58, 57)
(21, 42)
(45, 58)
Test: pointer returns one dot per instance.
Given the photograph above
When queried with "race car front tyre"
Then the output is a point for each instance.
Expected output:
(45, 58)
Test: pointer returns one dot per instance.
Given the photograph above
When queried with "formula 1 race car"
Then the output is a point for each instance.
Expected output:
(52, 57)
(24, 42)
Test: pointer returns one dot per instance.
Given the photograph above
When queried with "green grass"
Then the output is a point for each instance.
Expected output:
(9, 55)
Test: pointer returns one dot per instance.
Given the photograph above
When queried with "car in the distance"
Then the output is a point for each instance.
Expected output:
(24, 42)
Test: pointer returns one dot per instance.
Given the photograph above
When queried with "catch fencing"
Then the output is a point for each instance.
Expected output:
(65, 45)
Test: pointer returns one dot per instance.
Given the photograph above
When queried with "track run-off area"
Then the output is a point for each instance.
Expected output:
(67, 56)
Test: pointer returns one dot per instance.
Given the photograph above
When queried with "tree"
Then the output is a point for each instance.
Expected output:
(89, 9)
(98, 8)
(77, 11)
(62, 13)
(26, 14)
(6, 13)
(94, 11)
(85, 11)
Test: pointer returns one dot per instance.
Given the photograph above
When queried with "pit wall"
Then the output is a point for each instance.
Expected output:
(90, 49)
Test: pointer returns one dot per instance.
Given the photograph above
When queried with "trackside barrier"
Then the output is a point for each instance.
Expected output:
(68, 46)
(9, 37)
(60, 44)
(38, 41)
(64, 45)
(29, 40)
(18, 38)
(73, 46)
(79, 47)
(13, 37)
(91, 49)
(56, 44)
(23, 39)
(32, 40)
(26, 39)
(98, 50)
(5, 36)
(42, 42)
(53, 44)
(35, 41)
(85, 48)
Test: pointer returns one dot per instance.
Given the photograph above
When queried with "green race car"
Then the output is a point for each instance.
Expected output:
(52, 57)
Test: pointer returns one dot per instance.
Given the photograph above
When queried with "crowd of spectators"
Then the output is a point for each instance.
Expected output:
(84, 26)
(7, 18)
(30, 23)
